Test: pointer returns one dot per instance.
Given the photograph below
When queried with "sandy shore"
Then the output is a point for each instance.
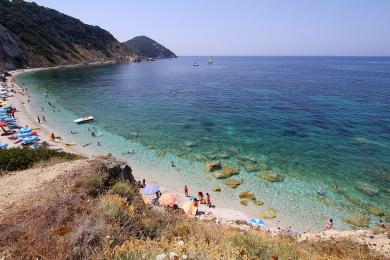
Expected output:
(25, 117)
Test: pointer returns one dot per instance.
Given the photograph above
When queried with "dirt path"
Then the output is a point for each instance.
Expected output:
(15, 186)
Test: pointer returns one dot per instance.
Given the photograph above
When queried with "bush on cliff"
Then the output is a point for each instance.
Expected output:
(19, 159)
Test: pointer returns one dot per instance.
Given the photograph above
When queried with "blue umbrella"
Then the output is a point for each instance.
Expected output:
(258, 222)
(25, 130)
(3, 146)
(150, 189)
(30, 139)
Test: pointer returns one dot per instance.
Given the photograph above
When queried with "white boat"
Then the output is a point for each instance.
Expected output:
(196, 64)
(83, 119)
(210, 60)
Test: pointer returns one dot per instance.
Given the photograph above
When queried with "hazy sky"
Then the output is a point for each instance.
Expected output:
(244, 27)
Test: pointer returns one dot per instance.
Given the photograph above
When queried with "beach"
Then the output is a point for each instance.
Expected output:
(225, 216)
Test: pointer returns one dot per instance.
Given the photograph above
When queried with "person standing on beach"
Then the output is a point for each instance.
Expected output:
(44, 119)
(39, 120)
(329, 224)
(186, 190)
(208, 200)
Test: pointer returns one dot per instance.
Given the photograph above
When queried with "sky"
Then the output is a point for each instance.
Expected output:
(244, 27)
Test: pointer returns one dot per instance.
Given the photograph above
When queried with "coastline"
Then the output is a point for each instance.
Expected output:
(225, 216)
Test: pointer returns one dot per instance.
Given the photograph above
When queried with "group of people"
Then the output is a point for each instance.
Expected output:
(200, 199)
(11, 111)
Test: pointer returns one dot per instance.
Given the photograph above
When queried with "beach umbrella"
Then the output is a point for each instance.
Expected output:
(25, 130)
(258, 222)
(150, 189)
(3, 124)
(3, 146)
(30, 139)
(9, 119)
(7, 106)
(169, 199)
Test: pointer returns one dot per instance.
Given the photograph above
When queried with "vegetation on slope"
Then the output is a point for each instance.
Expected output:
(19, 159)
(146, 47)
(89, 213)
(48, 37)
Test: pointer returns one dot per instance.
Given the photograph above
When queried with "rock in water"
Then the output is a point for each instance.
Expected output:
(269, 213)
(234, 183)
(355, 200)
(214, 166)
(271, 176)
(190, 144)
(358, 220)
(247, 195)
(367, 188)
(375, 211)
(217, 188)
(227, 173)
(244, 202)
(258, 202)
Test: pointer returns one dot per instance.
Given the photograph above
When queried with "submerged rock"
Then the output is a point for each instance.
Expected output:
(217, 188)
(200, 158)
(248, 158)
(244, 202)
(271, 176)
(190, 144)
(247, 195)
(375, 211)
(358, 220)
(269, 213)
(214, 166)
(160, 153)
(355, 200)
(258, 202)
(234, 183)
(227, 173)
(367, 188)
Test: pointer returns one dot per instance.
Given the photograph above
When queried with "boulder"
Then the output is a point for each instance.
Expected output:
(119, 170)
(214, 166)
(244, 202)
(271, 176)
(367, 188)
(217, 188)
(269, 213)
(375, 211)
(358, 220)
(258, 202)
(234, 183)
(247, 195)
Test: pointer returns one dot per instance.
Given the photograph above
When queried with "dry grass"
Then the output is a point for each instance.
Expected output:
(88, 215)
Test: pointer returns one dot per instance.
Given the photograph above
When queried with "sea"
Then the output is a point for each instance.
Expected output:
(309, 135)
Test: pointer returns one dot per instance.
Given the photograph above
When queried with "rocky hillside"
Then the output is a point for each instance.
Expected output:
(34, 36)
(146, 47)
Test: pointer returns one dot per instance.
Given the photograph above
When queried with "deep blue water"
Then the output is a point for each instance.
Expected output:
(314, 120)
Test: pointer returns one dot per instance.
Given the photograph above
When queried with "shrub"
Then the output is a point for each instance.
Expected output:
(113, 207)
(124, 189)
(19, 159)
(93, 184)
(250, 245)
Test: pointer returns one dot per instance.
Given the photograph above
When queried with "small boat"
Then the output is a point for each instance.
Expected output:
(83, 119)
(210, 60)
(196, 64)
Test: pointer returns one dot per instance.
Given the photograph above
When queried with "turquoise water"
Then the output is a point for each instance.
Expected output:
(315, 121)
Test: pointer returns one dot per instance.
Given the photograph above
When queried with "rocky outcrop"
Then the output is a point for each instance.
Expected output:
(247, 195)
(358, 220)
(367, 188)
(234, 183)
(11, 51)
(226, 173)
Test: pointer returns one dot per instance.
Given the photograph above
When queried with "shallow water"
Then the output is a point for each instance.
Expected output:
(317, 121)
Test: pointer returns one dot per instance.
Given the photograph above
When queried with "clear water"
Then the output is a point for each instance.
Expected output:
(315, 120)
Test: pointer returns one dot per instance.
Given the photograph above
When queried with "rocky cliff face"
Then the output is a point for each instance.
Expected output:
(34, 36)
(148, 48)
